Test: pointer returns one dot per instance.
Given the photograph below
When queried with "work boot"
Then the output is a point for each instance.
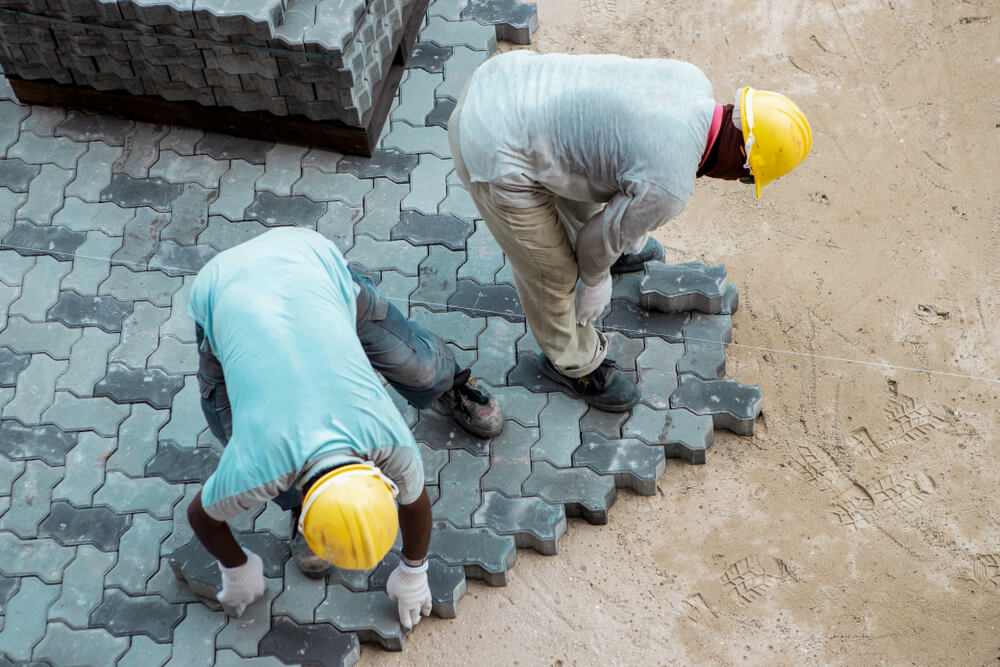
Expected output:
(605, 387)
(472, 407)
(309, 563)
(629, 262)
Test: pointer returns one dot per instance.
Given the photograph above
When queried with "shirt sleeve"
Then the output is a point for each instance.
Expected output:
(640, 207)
(404, 467)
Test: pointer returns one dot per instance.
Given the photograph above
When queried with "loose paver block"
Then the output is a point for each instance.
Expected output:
(483, 552)
(634, 464)
(533, 522)
(514, 20)
(682, 287)
(732, 406)
(584, 493)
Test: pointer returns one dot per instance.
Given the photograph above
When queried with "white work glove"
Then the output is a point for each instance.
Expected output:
(409, 588)
(242, 585)
(591, 302)
(638, 245)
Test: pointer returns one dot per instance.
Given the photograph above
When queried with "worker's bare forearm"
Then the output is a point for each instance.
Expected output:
(415, 525)
(214, 535)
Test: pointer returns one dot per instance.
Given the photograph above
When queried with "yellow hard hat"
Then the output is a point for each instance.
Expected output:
(776, 134)
(349, 516)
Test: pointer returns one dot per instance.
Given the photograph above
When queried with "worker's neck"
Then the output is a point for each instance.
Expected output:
(725, 158)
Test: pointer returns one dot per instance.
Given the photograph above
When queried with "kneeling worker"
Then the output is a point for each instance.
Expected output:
(289, 340)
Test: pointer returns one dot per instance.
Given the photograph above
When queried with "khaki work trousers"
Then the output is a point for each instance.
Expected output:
(539, 244)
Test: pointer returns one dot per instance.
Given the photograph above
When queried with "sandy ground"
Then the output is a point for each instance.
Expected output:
(861, 523)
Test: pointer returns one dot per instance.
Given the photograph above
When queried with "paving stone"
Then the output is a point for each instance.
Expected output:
(174, 356)
(514, 21)
(35, 389)
(282, 167)
(484, 257)
(236, 189)
(176, 168)
(300, 595)
(387, 255)
(440, 432)
(105, 312)
(733, 406)
(682, 287)
(657, 371)
(71, 526)
(323, 160)
(137, 441)
(584, 493)
(156, 193)
(519, 403)
(16, 174)
(8, 587)
(141, 239)
(27, 337)
(87, 361)
(416, 96)
(82, 126)
(180, 535)
(495, 353)
(82, 216)
(39, 288)
(623, 351)
(186, 418)
(126, 494)
(458, 69)
(459, 33)
(633, 463)
(421, 229)
(337, 224)
(10, 202)
(144, 652)
(178, 464)
(40, 558)
(83, 586)
(510, 458)
(180, 325)
(437, 274)
(429, 56)
(441, 112)
(459, 488)
(384, 163)
(243, 634)
(485, 554)
(13, 265)
(527, 373)
(29, 240)
(487, 300)
(141, 149)
(275, 211)
(273, 519)
(314, 644)
(181, 140)
(92, 173)
(138, 554)
(128, 285)
(371, 615)
(176, 260)
(505, 274)
(24, 623)
(627, 318)
(84, 471)
(683, 434)
(7, 296)
(454, 327)
(382, 210)
(63, 646)
(447, 583)
(704, 344)
(408, 139)
(223, 234)
(533, 522)
(320, 186)
(397, 288)
(560, 435)
(43, 120)
(460, 204)
(194, 638)
(30, 496)
(122, 615)
(46, 442)
(229, 658)
(10, 470)
(189, 213)
(35, 149)
(11, 115)
(228, 147)
(626, 286)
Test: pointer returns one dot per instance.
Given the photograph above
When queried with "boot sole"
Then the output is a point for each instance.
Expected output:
(551, 373)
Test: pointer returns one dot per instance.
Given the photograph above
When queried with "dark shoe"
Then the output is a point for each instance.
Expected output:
(472, 407)
(309, 563)
(629, 263)
(606, 387)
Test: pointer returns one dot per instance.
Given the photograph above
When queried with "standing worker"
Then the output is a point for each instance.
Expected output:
(573, 159)
(289, 340)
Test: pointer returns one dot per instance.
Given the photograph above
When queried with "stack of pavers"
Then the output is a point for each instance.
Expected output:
(321, 60)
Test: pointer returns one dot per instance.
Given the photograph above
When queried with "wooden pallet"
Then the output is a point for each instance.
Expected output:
(263, 125)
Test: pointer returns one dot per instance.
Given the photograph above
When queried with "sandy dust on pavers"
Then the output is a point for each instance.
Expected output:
(861, 523)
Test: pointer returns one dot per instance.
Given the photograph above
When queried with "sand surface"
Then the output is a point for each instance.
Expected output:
(861, 524)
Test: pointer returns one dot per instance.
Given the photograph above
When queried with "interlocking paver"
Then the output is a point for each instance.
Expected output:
(438, 279)
(733, 406)
(35, 149)
(176, 168)
(315, 643)
(141, 149)
(181, 140)
(16, 175)
(300, 596)
(230, 147)
(483, 552)
(584, 493)
(274, 211)
(439, 115)
(11, 116)
(484, 256)
(416, 96)
(137, 440)
(122, 614)
(243, 634)
(104, 311)
(11, 365)
(320, 186)
(83, 586)
(27, 337)
(179, 536)
(459, 33)
(10, 202)
(657, 366)
(560, 435)
(282, 167)
(533, 522)
(129, 285)
(30, 239)
(459, 203)
(426, 229)
(487, 300)
(92, 127)
(70, 526)
(43, 120)
(682, 287)
(13, 265)
(88, 359)
(141, 238)
(42, 558)
(63, 646)
(78, 414)
(131, 191)
(440, 432)
(429, 56)
(84, 469)
(177, 260)
(633, 463)
(388, 255)
(510, 459)
(92, 175)
(24, 623)
(372, 615)
(174, 356)
(609, 424)
(458, 69)
(180, 325)
(236, 190)
(189, 214)
(519, 404)
(384, 163)
(496, 355)
(126, 494)
(337, 224)
(35, 389)
(144, 652)
(408, 139)
(458, 485)
(30, 498)
(138, 554)
(323, 160)
(397, 288)
(184, 464)
(83, 216)
(186, 419)
(44, 442)
(382, 209)
(10, 470)
(139, 331)
(39, 288)
(454, 327)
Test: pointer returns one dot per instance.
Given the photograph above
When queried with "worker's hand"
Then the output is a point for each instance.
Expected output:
(242, 585)
(636, 247)
(592, 301)
(409, 588)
